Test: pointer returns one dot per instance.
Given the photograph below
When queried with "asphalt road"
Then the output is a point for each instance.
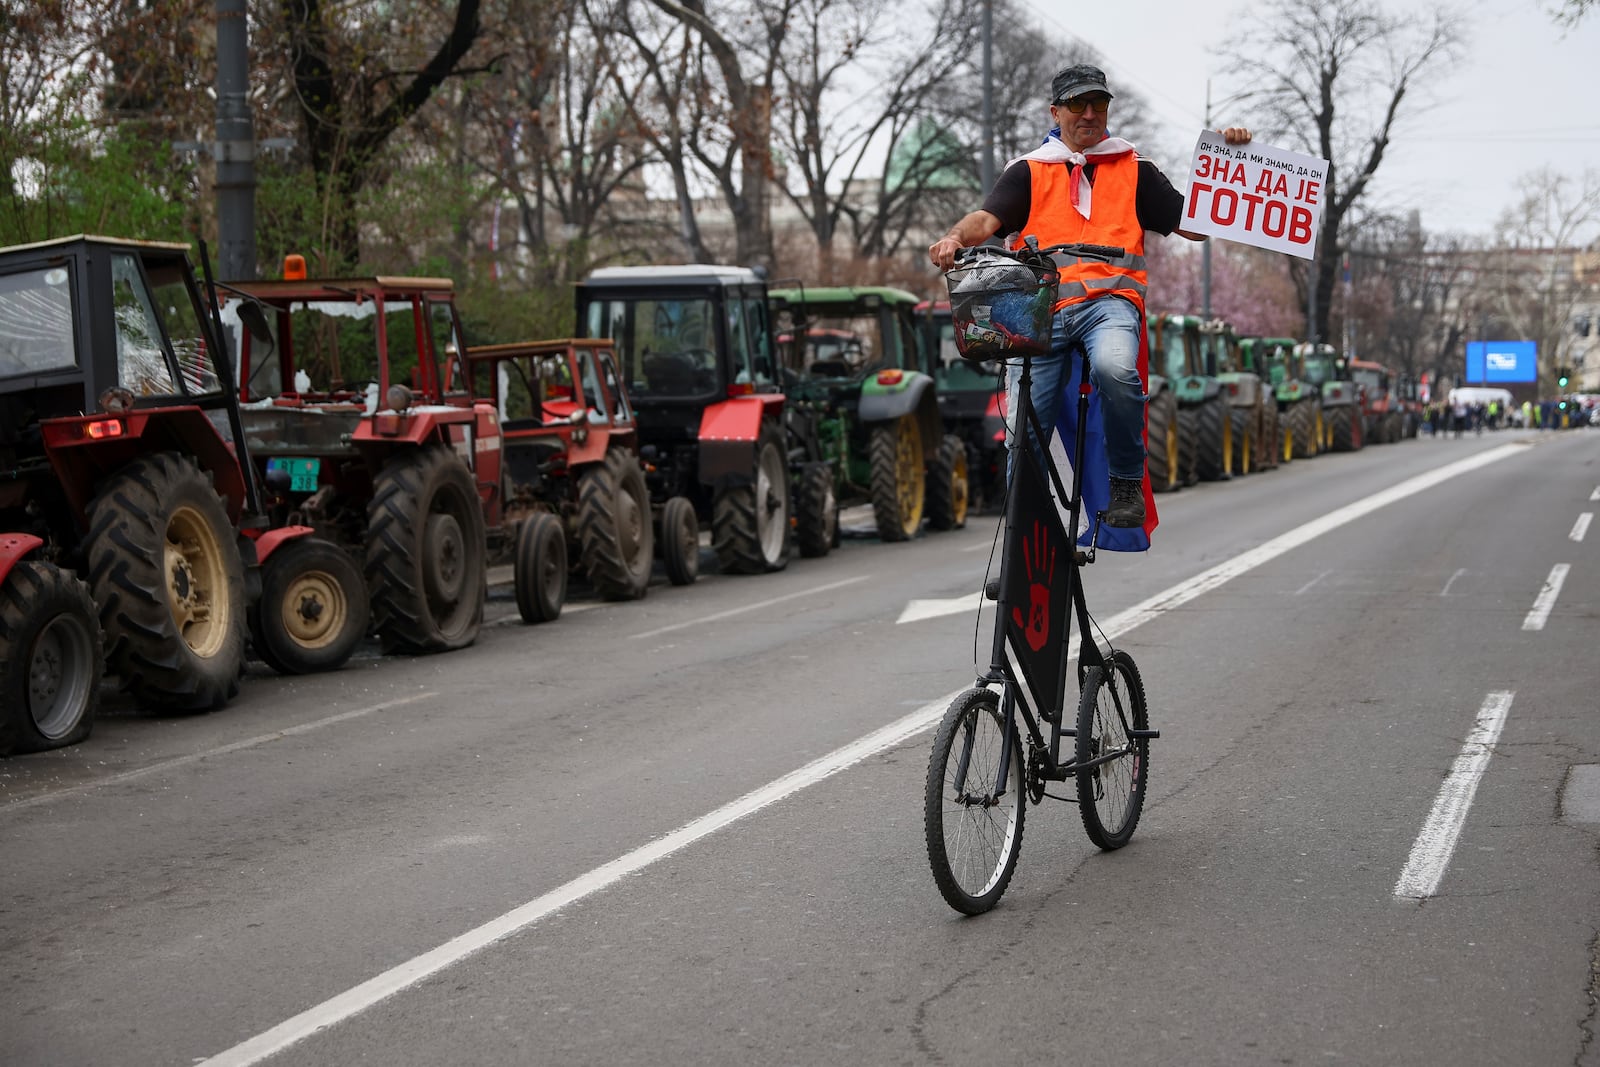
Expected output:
(689, 831)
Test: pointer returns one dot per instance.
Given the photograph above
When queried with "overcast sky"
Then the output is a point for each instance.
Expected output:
(1526, 94)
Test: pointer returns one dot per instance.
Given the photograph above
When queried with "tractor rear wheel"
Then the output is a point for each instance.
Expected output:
(615, 539)
(1215, 435)
(947, 486)
(313, 609)
(426, 553)
(680, 541)
(1341, 429)
(1161, 428)
(899, 487)
(750, 523)
(539, 571)
(816, 511)
(1271, 447)
(166, 574)
(51, 661)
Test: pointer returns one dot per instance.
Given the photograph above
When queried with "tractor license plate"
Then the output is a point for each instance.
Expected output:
(302, 472)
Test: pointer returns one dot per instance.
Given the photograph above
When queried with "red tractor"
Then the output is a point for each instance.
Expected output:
(130, 533)
(356, 432)
(572, 487)
(1382, 410)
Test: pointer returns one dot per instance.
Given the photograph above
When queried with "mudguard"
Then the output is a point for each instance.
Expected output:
(13, 549)
(915, 395)
(729, 430)
(269, 542)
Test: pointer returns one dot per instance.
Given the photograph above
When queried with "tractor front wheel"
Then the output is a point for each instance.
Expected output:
(539, 571)
(899, 488)
(426, 553)
(165, 571)
(51, 660)
(1161, 431)
(948, 486)
(680, 541)
(816, 511)
(313, 609)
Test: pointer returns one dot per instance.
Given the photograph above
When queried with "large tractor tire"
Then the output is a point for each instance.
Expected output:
(1343, 432)
(51, 659)
(750, 523)
(426, 553)
(899, 486)
(1270, 445)
(1215, 436)
(1305, 430)
(1242, 424)
(165, 571)
(313, 609)
(539, 571)
(680, 541)
(816, 511)
(1189, 445)
(947, 486)
(1161, 433)
(616, 541)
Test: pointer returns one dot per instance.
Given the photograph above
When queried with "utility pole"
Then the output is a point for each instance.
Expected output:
(235, 148)
(1205, 246)
(986, 163)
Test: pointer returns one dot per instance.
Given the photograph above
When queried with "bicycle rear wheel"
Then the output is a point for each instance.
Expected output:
(971, 818)
(1111, 794)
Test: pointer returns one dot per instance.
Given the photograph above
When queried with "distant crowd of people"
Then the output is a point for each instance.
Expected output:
(1459, 416)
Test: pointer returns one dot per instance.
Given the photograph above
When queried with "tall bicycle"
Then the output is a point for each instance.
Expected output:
(1000, 744)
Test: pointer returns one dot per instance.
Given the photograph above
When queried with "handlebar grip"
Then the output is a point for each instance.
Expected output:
(1106, 251)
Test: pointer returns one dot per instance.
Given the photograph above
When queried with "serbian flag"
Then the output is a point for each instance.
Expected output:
(1096, 472)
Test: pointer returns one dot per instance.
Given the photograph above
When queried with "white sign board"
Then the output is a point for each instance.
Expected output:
(1255, 194)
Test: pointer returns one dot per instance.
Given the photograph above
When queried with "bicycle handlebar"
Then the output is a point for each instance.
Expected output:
(1107, 253)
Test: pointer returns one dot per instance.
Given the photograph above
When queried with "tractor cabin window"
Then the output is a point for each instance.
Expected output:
(36, 322)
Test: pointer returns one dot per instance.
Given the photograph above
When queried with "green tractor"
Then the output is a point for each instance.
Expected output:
(1253, 410)
(1179, 358)
(858, 380)
(1300, 425)
(1343, 420)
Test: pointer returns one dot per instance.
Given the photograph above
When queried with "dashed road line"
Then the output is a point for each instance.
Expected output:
(1545, 602)
(1431, 852)
(1581, 527)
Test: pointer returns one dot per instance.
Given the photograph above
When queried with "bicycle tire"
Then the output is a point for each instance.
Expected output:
(973, 846)
(1111, 795)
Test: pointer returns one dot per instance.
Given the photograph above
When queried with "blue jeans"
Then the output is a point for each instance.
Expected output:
(1108, 328)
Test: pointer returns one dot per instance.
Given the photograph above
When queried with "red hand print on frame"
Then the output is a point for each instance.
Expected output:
(1040, 558)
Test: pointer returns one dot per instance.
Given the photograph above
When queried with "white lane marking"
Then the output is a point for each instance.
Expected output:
(1581, 527)
(412, 971)
(1546, 600)
(223, 750)
(1596, 494)
(1446, 590)
(917, 610)
(1312, 582)
(749, 607)
(358, 999)
(1430, 854)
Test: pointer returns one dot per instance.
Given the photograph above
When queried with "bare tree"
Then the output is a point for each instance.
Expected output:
(1336, 76)
(746, 57)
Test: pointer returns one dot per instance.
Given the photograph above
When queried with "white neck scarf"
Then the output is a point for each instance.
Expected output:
(1054, 150)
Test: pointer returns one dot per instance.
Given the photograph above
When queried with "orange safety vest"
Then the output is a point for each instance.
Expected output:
(1114, 220)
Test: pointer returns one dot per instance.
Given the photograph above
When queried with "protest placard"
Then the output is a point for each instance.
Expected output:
(1255, 194)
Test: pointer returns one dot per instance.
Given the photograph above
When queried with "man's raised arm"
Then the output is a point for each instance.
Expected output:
(973, 229)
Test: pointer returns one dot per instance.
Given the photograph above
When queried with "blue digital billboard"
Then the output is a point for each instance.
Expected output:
(1500, 362)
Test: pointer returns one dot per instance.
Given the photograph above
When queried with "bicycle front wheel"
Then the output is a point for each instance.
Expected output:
(972, 815)
(1111, 793)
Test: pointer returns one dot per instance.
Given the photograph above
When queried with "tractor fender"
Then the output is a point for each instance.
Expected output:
(14, 548)
(269, 542)
(916, 396)
(82, 462)
(1157, 383)
(729, 430)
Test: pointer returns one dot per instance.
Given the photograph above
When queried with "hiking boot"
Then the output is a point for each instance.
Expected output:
(1127, 503)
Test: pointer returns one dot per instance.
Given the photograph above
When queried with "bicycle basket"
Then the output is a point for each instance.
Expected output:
(1001, 308)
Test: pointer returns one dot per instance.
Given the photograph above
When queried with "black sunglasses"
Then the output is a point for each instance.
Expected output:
(1078, 103)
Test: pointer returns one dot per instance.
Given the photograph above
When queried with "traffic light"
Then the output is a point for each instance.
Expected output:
(1561, 377)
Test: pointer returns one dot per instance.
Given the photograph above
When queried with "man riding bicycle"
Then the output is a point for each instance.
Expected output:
(1081, 186)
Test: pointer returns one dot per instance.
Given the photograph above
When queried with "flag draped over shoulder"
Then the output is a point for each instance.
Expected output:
(1096, 467)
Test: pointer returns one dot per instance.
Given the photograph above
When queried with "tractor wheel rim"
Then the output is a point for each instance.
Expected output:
(1172, 456)
(59, 675)
(444, 554)
(314, 609)
(629, 532)
(772, 519)
(197, 582)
